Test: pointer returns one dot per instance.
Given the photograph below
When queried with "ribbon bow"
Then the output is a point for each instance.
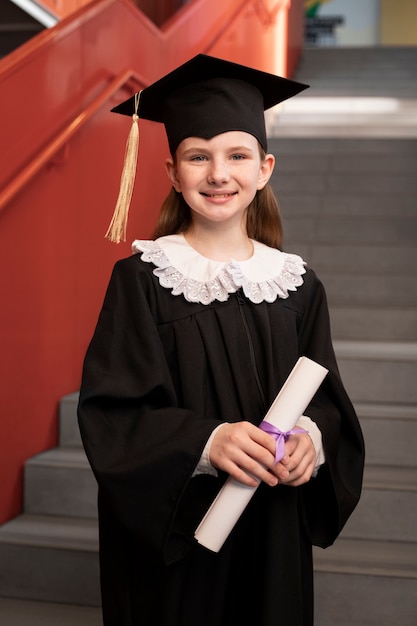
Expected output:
(279, 436)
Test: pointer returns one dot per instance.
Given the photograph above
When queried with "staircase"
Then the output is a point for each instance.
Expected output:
(50, 552)
(346, 180)
(347, 187)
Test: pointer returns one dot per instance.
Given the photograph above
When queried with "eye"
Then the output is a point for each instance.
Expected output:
(198, 158)
(237, 157)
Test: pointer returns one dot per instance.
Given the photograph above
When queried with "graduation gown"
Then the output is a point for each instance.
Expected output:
(160, 374)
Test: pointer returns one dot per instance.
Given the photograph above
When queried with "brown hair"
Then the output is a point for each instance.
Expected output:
(263, 221)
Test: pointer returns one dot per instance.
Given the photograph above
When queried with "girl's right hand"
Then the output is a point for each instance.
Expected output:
(245, 452)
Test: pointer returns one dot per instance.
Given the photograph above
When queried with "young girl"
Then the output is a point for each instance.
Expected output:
(198, 332)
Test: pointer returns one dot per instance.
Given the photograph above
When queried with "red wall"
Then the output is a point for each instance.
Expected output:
(54, 260)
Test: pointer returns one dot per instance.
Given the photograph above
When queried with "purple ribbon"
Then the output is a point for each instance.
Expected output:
(279, 436)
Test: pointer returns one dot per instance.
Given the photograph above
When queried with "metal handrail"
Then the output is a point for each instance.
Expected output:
(59, 141)
(268, 16)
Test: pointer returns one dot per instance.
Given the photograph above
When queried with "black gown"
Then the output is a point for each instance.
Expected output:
(159, 375)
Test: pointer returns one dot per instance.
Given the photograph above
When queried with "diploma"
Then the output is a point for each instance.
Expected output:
(291, 402)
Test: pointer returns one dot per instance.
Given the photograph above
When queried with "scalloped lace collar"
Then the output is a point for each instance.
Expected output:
(268, 274)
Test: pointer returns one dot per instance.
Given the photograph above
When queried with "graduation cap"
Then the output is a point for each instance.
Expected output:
(204, 97)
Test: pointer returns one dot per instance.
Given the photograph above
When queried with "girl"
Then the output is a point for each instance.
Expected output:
(198, 332)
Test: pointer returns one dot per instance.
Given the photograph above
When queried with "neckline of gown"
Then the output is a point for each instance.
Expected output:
(267, 275)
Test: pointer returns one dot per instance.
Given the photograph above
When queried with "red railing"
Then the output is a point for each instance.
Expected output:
(59, 173)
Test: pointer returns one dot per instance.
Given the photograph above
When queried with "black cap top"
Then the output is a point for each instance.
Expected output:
(207, 96)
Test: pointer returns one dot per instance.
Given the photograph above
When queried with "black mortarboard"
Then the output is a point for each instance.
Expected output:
(207, 96)
(204, 97)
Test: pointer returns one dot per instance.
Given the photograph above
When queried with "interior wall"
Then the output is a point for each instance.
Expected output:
(360, 25)
(398, 25)
(54, 260)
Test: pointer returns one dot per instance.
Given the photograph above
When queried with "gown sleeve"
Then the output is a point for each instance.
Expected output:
(142, 447)
(329, 499)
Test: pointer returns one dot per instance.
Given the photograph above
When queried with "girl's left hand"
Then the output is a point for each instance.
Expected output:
(298, 464)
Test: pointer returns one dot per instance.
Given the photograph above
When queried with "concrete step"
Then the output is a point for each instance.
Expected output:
(390, 433)
(362, 583)
(380, 422)
(338, 146)
(50, 559)
(69, 433)
(386, 490)
(55, 473)
(388, 70)
(370, 289)
(299, 203)
(60, 482)
(346, 230)
(29, 613)
(393, 559)
(362, 260)
(374, 323)
(374, 96)
(321, 162)
(346, 183)
(378, 372)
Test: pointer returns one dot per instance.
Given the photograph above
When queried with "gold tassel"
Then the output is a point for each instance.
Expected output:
(116, 231)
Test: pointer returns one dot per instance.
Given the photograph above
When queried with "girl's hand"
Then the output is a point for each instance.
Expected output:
(246, 453)
(299, 461)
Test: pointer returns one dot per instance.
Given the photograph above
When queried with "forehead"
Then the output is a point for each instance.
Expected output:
(227, 140)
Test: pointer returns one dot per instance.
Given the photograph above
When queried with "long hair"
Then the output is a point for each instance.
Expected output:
(263, 219)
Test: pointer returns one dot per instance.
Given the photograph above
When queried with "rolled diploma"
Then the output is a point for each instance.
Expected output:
(291, 402)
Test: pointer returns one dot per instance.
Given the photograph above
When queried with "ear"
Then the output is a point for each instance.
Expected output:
(267, 167)
(171, 170)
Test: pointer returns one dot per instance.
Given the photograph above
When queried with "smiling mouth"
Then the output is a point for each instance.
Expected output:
(219, 195)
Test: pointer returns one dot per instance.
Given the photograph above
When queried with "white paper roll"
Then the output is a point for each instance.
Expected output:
(291, 402)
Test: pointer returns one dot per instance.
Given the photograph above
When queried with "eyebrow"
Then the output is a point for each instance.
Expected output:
(204, 149)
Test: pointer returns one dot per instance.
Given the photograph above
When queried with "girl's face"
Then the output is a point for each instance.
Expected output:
(219, 177)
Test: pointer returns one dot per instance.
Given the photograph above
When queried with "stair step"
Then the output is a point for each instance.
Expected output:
(387, 509)
(60, 482)
(390, 433)
(351, 230)
(47, 531)
(298, 203)
(345, 183)
(51, 559)
(320, 162)
(378, 372)
(31, 613)
(386, 478)
(395, 559)
(364, 600)
(336, 146)
(374, 323)
(363, 259)
(374, 290)
(69, 433)
(366, 582)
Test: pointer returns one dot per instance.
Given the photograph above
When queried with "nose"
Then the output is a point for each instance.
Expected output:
(218, 172)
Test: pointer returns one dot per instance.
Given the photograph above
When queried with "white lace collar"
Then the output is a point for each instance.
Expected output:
(269, 273)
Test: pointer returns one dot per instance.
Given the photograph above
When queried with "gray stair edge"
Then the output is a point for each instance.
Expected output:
(376, 477)
(47, 531)
(389, 478)
(62, 457)
(368, 557)
(348, 555)
(386, 411)
(23, 612)
(376, 350)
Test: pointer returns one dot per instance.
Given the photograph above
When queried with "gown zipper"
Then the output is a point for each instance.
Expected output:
(241, 302)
